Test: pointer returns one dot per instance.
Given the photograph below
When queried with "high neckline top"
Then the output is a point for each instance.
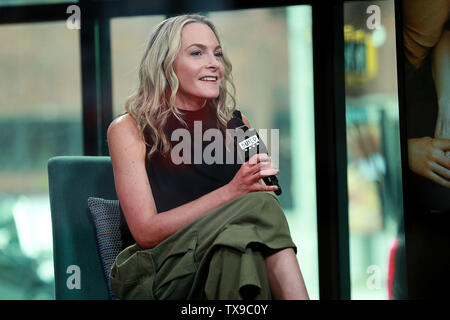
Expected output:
(173, 184)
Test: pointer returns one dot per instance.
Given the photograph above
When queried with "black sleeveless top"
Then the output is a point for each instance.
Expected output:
(173, 183)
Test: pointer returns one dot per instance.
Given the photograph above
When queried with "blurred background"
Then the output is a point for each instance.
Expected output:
(271, 51)
(373, 150)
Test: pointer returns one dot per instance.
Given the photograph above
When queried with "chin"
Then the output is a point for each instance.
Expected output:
(210, 95)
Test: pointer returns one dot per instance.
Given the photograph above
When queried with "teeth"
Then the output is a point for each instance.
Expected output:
(208, 79)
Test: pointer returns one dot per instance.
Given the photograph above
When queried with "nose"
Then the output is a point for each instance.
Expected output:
(213, 61)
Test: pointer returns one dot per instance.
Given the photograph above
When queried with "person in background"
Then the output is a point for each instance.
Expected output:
(427, 31)
(427, 184)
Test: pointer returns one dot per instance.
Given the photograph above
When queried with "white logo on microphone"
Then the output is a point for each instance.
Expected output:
(249, 143)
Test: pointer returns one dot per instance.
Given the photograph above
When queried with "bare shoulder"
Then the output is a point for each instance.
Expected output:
(124, 136)
(124, 126)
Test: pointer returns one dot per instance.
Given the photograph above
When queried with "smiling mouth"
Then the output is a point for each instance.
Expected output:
(211, 79)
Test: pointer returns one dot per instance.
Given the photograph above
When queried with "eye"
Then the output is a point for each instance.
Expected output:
(218, 54)
(196, 53)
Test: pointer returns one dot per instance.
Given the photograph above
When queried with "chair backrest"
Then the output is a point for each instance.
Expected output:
(72, 179)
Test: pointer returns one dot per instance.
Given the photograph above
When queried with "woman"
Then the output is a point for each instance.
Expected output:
(191, 220)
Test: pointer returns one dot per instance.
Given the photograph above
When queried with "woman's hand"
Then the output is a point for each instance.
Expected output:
(426, 157)
(248, 178)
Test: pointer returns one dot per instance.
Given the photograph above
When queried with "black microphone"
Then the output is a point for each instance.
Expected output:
(248, 144)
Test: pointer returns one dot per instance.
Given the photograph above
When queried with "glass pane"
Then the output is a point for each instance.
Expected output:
(373, 145)
(32, 2)
(273, 75)
(128, 40)
(40, 117)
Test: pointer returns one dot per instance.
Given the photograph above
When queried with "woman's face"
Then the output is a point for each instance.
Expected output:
(198, 66)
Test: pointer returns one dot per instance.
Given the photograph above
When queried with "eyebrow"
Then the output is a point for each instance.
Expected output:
(202, 46)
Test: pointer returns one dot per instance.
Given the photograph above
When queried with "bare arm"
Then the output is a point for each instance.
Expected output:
(441, 76)
(148, 227)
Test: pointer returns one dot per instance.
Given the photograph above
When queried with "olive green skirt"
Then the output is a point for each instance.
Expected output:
(218, 256)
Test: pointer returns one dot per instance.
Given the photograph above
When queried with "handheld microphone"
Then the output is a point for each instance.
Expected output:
(249, 144)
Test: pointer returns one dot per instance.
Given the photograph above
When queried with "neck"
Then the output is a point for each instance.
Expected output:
(190, 106)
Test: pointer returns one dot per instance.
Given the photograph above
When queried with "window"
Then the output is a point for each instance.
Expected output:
(40, 117)
(373, 148)
(273, 75)
(129, 37)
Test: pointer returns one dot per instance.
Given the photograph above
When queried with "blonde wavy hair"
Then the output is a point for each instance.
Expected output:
(154, 99)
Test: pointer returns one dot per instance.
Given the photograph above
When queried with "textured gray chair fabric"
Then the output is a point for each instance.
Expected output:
(106, 215)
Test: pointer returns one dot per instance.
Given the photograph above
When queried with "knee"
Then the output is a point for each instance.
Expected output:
(262, 197)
